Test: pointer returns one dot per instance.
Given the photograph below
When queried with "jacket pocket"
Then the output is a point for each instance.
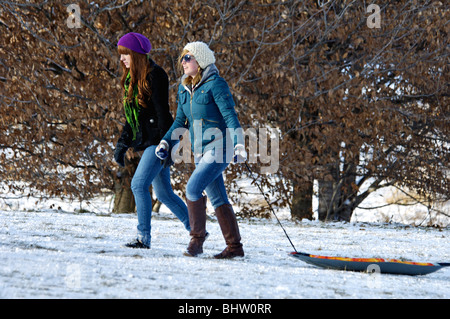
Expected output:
(212, 121)
(202, 97)
(181, 97)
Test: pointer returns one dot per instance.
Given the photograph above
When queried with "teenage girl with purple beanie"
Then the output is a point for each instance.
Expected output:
(146, 104)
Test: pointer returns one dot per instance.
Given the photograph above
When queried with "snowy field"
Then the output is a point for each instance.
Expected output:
(59, 253)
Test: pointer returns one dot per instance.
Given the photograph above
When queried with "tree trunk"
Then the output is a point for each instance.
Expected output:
(337, 195)
(302, 200)
(329, 193)
(349, 193)
(326, 191)
(156, 205)
(123, 196)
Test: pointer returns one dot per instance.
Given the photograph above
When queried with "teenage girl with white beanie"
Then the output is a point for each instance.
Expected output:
(205, 105)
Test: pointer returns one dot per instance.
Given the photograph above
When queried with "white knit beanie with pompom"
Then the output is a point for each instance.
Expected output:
(202, 53)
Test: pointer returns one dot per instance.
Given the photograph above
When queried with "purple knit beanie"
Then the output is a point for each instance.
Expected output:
(135, 42)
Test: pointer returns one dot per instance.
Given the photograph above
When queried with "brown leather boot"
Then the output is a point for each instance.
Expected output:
(230, 230)
(197, 221)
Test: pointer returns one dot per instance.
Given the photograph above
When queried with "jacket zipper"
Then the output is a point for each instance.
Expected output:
(192, 97)
(212, 121)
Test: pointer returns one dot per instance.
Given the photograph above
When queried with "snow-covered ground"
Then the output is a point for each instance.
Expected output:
(46, 252)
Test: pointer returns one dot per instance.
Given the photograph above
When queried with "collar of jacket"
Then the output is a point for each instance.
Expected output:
(207, 73)
(152, 63)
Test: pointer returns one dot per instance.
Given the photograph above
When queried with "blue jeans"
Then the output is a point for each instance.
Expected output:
(151, 172)
(207, 176)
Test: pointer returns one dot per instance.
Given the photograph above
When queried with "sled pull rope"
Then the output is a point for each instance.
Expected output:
(270, 206)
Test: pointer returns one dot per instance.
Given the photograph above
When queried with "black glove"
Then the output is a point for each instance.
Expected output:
(119, 154)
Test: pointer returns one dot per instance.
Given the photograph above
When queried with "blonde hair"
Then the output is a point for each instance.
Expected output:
(189, 80)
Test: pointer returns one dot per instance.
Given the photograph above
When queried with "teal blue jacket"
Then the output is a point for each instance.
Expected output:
(208, 111)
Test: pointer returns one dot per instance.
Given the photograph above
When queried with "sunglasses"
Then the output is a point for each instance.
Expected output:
(187, 58)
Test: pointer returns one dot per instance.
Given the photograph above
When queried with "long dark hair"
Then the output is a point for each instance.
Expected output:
(139, 70)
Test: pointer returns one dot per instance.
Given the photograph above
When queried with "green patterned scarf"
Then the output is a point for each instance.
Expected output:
(131, 109)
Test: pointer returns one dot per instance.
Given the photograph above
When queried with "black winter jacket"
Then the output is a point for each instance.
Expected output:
(155, 119)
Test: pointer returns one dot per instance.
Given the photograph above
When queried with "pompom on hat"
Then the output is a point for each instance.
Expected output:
(135, 42)
(202, 53)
